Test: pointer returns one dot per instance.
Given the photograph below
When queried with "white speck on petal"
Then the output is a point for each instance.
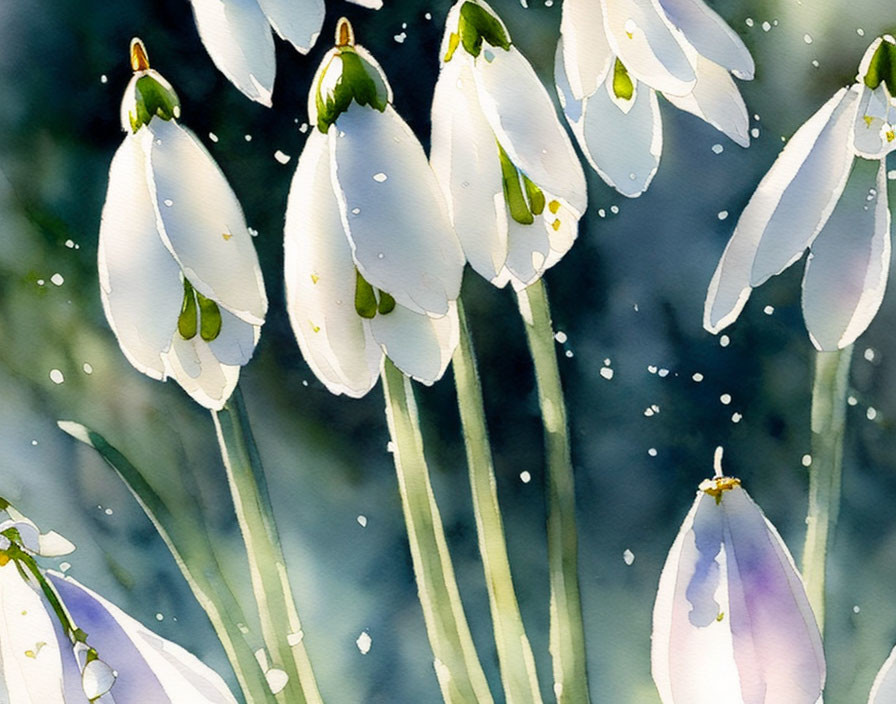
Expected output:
(380, 177)
(168, 202)
(56, 376)
(364, 642)
(97, 679)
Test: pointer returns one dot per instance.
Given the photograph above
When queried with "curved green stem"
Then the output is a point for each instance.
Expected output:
(280, 627)
(518, 674)
(457, 666)
(828, 423)
(567, 631)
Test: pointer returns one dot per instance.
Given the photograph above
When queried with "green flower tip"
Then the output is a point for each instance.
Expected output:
(148, 94)
(882, 68)
(476, 25)
(370, 301)
(198, 314)
(348, 73)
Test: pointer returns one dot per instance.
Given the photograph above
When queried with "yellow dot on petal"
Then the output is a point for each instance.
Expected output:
(868, 120)
(554, 206)
(891, 135)
(4, 558)
(314, 327)
(315, 278)
(556, 224)
(30, 654)
(630, 35)
(720, 616)
(226, 235)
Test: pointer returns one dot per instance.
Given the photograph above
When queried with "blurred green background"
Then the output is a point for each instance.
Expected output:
(631, 292)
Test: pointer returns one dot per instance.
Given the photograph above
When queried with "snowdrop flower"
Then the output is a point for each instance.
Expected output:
(883, 691)
(179, 276)
(818, 195)
(372, 263)
(237, 36)
(615, 55)
(61, 643)
(513, 183)
(732, 622)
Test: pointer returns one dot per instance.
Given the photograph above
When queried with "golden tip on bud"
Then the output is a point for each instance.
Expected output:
(139, 59)
(345, 35)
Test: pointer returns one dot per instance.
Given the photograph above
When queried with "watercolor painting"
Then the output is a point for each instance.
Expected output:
(524, 351)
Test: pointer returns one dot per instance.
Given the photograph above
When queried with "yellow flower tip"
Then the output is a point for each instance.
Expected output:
(716, 486)
(891, 135)
(345, 35)
(139, 57)
(4, 558)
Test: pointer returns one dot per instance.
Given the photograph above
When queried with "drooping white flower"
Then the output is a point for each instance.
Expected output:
(372, 263)
(179, 276)
(732, 622)
(237, 36)
(819, 195)
(615, 55)
(883, 691)
(514, 186)
(61, 643)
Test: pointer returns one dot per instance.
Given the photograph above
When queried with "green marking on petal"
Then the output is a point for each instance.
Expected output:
(535, 196)
(386, 304)
(358, 81)
(365, 298)
(453, 43)
(882, 68)
(513, 191)
(209, 318)
(623, 87)
(188, 320)
(477, 24)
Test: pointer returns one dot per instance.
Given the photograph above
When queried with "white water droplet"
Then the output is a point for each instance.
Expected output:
(698, 377)
(724, 341)
(722, 214)
(212, 136)
(560, 336)
(606, 373)
(168, 202)
(380, 177)
(628, 557)
(806, 460)
(717, 148)
(362, 521)
(525, 477)
(56, 279)
(725, 399)
(56, 376)
(88, 368)
(768, 310)
(652, 452)
(807, 38)
(282, 157)
(364, 642)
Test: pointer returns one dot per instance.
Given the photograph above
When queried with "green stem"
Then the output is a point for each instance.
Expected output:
(457, 666)
(187, 539)
(280, 627)
(567, 633)
(828, 422)
(515, 657)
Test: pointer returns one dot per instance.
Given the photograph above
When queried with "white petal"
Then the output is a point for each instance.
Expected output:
(202, 221)
(875, 125)
(883, 691)
(237, 36)
(51, 544)
(645, 43)
(140, 282)
(393, 210)
(420, 345)
(716, 100)
(732, 622)
(710, 35)
(532, 249)
(776, 640)
(846, 274)
(195, 367)
(369, 4)
(790, 206)
(464, 157)
(29, 653)
(97, 679)
(297, 21)
(586, 53)
(321, 279)
(149, 668)
(525, 123)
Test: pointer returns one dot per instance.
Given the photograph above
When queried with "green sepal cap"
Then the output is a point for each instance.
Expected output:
(475, 25)
(882, 68)
(623, 87)
(149, 94)
(355, 79)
